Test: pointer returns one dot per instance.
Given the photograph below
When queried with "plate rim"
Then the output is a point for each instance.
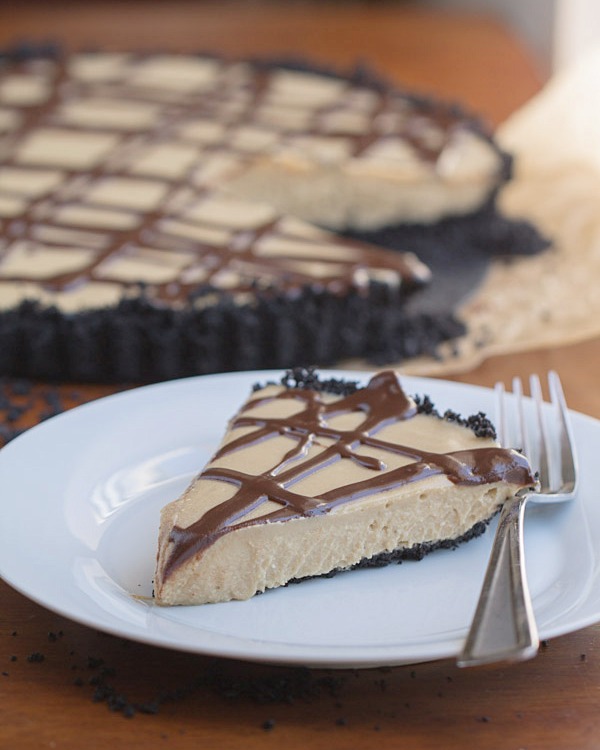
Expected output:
(251, 649)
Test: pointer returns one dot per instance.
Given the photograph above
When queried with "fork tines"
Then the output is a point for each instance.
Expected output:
(541, 430)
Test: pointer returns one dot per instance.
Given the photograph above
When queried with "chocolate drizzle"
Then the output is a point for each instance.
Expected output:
(382, 402)
(233, 97)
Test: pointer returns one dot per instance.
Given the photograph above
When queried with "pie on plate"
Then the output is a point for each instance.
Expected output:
(315, 476)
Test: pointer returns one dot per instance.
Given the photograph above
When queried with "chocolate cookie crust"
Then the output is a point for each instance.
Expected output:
(123, 259)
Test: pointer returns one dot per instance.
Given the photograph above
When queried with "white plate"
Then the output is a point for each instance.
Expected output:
(80, 497)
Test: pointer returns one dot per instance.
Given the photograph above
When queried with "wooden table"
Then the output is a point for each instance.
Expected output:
(59, 680)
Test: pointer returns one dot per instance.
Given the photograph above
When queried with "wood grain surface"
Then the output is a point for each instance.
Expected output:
(63, 685)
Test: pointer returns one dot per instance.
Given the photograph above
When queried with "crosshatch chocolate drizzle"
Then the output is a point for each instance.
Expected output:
(382, 402)
(234, 97)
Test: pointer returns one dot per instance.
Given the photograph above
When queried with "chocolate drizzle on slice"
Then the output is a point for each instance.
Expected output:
(382, 402)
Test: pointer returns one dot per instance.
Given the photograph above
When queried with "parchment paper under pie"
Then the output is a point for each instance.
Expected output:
(552, 298)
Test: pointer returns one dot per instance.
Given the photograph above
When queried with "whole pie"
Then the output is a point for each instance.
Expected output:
(167, 215)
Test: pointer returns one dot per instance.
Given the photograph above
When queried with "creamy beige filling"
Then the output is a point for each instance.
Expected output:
(298, 248)
(9, 120)
(231, 212)
(93, 217)
(201, 233)
(145, 264)
(53, 147)
(261, 557)
(31, 261)
(29, 182)
(92, 296)
(312, 90)
(10, 206)
(390, 183)
(74, 244)
(207, 132)
(105, 162)
(24, 90)
(165, 160)
(175, 72)
(245, 561)
(107, 113)
(422, 432)
(124, 192)
(98, 67)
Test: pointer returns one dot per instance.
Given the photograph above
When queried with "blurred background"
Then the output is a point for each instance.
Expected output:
(557, 31)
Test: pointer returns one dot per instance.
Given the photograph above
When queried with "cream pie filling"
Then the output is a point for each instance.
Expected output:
(189, 153)
(109, 162)
(306, 482)
(221, 242)
(391, 182)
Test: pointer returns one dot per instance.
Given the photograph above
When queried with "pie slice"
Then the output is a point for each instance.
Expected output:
(315, 476)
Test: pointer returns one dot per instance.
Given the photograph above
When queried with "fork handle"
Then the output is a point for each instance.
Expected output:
(503, 628)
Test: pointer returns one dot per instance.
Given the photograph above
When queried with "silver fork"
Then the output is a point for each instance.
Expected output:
(504, 628)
